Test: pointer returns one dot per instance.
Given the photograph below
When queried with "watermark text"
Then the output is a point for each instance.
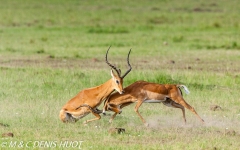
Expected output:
(42, 144)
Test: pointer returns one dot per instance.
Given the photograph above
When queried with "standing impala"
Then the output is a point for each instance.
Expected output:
(145, 92)
(88, 100)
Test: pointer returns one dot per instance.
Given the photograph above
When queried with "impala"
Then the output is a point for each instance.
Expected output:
(146, 92)
(88, 100)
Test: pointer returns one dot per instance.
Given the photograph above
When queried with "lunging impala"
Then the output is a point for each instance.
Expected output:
(88, 100)
(146, 92)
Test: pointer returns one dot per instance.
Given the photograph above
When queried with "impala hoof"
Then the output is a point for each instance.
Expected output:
(146, 124)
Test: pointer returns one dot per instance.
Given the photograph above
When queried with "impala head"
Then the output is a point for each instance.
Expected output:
(116, 77)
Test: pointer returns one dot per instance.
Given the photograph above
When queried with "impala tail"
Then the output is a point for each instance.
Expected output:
(185, 88)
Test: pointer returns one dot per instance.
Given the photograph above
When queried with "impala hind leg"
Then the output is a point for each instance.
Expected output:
(95, 114)
(88, 108)
(182, 102)
(171, 103)
(66, 117)
(72, 116)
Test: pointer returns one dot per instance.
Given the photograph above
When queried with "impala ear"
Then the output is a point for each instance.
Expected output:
(119, 71)
(112, 74)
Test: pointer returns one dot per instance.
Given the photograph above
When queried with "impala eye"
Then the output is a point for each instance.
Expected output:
(117, 81)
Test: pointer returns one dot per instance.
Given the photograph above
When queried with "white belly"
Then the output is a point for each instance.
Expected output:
(154, 101)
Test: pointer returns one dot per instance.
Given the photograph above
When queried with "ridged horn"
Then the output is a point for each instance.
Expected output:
(130, 68)
(112, 66)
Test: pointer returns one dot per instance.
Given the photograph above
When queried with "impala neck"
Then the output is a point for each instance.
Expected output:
(105, 89)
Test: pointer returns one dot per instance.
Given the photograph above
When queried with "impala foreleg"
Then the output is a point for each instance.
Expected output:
(114, 108)
(117, 110)
(125, 104)
(112, 117)
(106, 105)
(139, 103)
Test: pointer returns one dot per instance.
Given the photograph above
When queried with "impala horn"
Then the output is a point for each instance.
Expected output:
(130, 68)
(118, 70)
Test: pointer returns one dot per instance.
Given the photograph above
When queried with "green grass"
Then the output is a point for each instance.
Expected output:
(50, 50)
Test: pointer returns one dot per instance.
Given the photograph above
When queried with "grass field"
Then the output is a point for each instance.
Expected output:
(50, 50)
